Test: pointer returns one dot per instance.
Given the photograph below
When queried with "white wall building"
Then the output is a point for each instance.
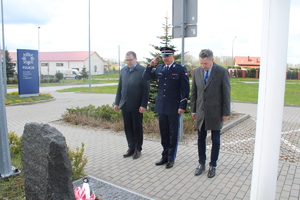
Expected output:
(50, 62)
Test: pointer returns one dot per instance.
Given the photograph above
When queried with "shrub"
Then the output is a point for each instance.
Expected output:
(251, 73)
(104, 112)
(13, 93)
(12, 81)
(15, 143)
(7, 102)
(77, 159)
(149, 116)
(59, 76)
(46, 95)
(105, 117)
(13, 187)
(78, 162)
(50, 80)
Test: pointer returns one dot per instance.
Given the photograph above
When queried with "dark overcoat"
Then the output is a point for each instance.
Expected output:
(211, 101)
(132, 89)
(173, 87)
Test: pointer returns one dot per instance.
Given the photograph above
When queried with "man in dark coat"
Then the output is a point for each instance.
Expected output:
(210, 106)
(171, 101)
(132, 97)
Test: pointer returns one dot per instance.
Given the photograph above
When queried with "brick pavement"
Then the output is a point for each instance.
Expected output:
(104, 151)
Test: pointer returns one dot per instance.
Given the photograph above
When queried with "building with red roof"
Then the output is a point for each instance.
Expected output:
(247, 61)
(50, 62)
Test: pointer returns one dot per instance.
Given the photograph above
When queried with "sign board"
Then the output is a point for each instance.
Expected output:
(189, 31)
(28, 72)
(190, 12)
(185, 11)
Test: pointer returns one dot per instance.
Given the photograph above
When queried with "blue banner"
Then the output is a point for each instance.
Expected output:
(28, 72)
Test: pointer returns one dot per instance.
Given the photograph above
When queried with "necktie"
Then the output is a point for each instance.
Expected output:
(206, 76)
(168, 67)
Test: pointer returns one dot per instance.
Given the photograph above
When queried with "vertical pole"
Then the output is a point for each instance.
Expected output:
(48, 71)
(119, 59)
(90, 46)
(232, 51)
(182, 62)
(274, 42)
(4, 52)
(39, 62)
(5, 162)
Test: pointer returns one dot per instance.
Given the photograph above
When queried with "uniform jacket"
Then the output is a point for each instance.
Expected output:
(211, 101)
(173, 87)
(132, 89)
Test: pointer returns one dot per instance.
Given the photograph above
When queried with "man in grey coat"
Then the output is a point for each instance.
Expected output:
(132, 97)
(210, 106)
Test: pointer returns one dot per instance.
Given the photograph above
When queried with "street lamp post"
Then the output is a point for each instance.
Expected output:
(232, 51)
(39, 54)
(221, 60)
(4, 54)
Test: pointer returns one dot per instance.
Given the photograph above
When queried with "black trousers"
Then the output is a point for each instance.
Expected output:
(133, 124)
(216, 141)
(168, 125)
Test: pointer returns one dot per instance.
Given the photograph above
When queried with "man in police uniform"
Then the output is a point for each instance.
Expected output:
(171, 100)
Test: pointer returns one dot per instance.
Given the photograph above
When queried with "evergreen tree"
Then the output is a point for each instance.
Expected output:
(59, 76)
(165, 42)
(84, 73)
(10, 68)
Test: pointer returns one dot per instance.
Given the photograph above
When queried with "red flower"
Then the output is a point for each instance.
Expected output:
(80, 194)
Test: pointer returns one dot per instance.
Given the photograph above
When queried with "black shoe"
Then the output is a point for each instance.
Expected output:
(211, 172)
(162, 161)
(169, 164)
(136, 154)
(129, 153)
(199, 169)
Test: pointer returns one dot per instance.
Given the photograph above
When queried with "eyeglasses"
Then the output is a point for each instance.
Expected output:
(129, 60)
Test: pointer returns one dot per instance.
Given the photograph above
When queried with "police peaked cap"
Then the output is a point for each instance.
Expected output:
(166, 51)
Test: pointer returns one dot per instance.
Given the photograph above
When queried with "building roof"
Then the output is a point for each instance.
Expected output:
(59, 56)
(247, 61)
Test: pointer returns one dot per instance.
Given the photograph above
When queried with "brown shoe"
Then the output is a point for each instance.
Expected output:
(129, 153)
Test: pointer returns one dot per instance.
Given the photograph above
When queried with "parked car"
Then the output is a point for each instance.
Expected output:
(70, 73)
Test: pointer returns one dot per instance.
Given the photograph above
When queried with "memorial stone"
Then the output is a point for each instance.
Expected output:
(46, 163)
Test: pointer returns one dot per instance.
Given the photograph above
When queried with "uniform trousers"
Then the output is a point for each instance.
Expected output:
(168, 125)
(133, 124)
(215, 137)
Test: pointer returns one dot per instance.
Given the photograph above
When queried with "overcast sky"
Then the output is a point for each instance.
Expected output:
(135, 24)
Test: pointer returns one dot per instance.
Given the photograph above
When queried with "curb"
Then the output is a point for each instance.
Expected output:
(28, 103)
(230, 125)
(234, 123)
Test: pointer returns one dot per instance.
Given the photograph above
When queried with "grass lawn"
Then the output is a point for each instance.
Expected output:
(97, 89)
(240, 91)
(244, 91)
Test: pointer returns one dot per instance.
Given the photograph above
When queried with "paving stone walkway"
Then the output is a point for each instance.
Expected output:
(105, 149)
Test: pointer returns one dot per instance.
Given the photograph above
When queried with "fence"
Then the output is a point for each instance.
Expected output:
(254, 73)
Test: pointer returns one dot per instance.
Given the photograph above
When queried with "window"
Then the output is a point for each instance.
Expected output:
(44, 64)
(59, 64)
